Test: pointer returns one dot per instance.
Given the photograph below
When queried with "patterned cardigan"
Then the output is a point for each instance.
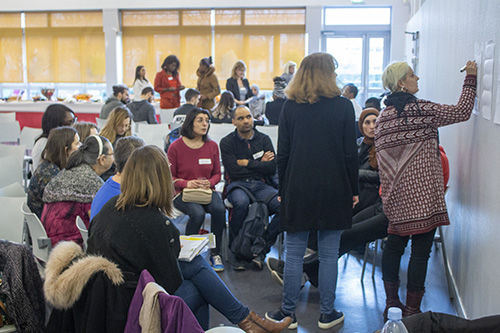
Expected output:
(410, 168)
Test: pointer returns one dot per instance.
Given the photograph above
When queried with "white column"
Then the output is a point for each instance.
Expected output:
(113, 48)
(314, 24)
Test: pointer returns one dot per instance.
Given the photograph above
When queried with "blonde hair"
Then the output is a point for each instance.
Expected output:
(287, 66)
(115, 119)
(146, 181)
(394, 73)
(315, 77)
(238, 64)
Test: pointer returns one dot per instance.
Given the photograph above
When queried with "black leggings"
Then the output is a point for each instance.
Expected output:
(417, 267)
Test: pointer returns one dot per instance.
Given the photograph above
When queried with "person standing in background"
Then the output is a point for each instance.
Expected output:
(238, 84)
(289, 70)
(351, 91)
(140, 82)
(273, 109)
(120, 99)
(208, 84)
(168, 83)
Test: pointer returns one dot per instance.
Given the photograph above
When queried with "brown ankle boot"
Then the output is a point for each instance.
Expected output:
(413, 300)
(392, 297)
(255, 324)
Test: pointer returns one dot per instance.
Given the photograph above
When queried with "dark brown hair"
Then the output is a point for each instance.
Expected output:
(187, 125)
(59, 139)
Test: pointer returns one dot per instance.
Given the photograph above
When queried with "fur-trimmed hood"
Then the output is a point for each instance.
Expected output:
(68, 271)
(210, 71)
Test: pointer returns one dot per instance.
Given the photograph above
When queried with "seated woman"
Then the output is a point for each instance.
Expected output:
(55, 115)
(195, 163)
(256, 103)
(85, 129)
(62, 142)
(222, 113)
(133, 230)
(70, 193)
(118, 125)
(368, 178)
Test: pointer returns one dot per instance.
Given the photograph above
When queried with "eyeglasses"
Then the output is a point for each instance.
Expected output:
(70, 122)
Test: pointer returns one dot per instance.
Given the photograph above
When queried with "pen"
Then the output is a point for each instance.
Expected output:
(463, 68)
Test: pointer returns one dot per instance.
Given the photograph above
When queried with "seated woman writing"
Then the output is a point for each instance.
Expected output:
(133, 231)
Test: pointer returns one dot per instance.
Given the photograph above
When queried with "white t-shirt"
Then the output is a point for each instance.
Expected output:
(357, 109)
(36, 153)
(138, 86)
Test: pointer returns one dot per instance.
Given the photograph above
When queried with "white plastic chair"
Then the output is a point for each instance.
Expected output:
(100, 122)
(7, 117)
(11, 218)
(12, 171)
(12, 190)
(83, 230)
(17, 150)
(28, 136)
(41, 243)
(224, 329)
(166, 115)
(272, 131)
(10, 131)
(218, 131)
(152, 131)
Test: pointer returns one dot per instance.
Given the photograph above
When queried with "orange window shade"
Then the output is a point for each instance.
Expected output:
(93, 61)
(227, 17)
(194, 49)
(10, 20)
(295, 16)
(228, 50)
(36, 20)
(76, 19)
(148, 18)
(292, 48)
(260, 60)
(195, 17)
(11, 55)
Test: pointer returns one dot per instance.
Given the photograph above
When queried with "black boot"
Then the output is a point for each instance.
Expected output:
(392, 297)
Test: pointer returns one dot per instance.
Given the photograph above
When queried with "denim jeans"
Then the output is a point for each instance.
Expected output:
(240, 201)
(196, 213)
(201, 286)
(421, 245)
(328, 250)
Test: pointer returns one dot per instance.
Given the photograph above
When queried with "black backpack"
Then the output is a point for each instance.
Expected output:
(250, 241)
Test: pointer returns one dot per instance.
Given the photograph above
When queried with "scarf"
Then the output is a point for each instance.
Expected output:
(399, 100)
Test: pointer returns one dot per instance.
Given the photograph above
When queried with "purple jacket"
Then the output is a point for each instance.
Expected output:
(175, 314)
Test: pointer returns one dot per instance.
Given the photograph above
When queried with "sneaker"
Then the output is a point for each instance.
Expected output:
(238, 265)
(329, 320)
(216, 262)
(280, 315)
(275, 265)
(277, 277)
(258, 262)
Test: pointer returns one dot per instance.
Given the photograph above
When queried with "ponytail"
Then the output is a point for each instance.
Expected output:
(88, 153)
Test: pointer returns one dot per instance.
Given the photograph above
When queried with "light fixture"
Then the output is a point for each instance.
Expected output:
(357, 2)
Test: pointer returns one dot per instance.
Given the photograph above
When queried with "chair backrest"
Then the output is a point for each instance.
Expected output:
(11, 218)
(218, 131)
(10, 131)
(14, 190)
(272, 131)
(11, 172)
(83, 230)
(28, 136)
(135, 125)
(41, 242)
(158, 131)
(166, 115)
(17, 150)
(100, 122)
(7, 117)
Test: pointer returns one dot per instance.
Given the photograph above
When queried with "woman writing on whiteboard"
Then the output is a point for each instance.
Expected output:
(411, 176)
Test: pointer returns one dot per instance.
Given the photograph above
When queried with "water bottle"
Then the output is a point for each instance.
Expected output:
(394, 324)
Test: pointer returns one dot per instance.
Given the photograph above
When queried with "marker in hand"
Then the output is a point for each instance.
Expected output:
(463, 68)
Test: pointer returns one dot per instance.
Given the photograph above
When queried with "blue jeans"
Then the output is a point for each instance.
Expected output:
(202, 286)
(196, 213)
(240, 201)
(328, 250)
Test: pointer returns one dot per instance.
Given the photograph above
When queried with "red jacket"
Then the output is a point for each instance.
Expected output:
(169, 99)
(59, 220)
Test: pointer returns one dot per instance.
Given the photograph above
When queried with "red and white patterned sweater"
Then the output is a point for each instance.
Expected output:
(411, 174)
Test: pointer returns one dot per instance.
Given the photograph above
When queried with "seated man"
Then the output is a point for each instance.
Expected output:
(120, 98)
(248, 158)
(192, 98)
(142, 109)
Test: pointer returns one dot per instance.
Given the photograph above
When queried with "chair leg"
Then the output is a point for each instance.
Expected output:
(367, 249)
(374, 259)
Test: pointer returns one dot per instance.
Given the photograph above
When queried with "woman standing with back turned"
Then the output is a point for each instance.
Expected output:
(411, 176)
(318, 179)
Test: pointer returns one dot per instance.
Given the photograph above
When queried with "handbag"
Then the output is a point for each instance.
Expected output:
(197, 195)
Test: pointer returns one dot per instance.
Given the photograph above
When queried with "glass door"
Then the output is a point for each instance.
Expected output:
(362, 58)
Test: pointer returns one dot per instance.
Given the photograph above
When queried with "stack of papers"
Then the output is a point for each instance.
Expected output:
(191, 246)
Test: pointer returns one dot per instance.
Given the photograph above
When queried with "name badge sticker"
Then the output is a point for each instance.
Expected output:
(258, 155)
(203, 161)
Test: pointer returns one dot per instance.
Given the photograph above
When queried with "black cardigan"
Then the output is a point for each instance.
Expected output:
(317, 165)
(136, 239)
(232, 86)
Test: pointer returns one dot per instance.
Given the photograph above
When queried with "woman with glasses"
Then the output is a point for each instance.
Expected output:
(118, 125)
(71, 192)
(195, 163)
(55, 115)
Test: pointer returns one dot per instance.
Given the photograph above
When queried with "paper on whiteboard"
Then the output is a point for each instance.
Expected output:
(487, 80)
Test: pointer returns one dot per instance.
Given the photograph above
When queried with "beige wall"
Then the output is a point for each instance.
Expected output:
(448, 32)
